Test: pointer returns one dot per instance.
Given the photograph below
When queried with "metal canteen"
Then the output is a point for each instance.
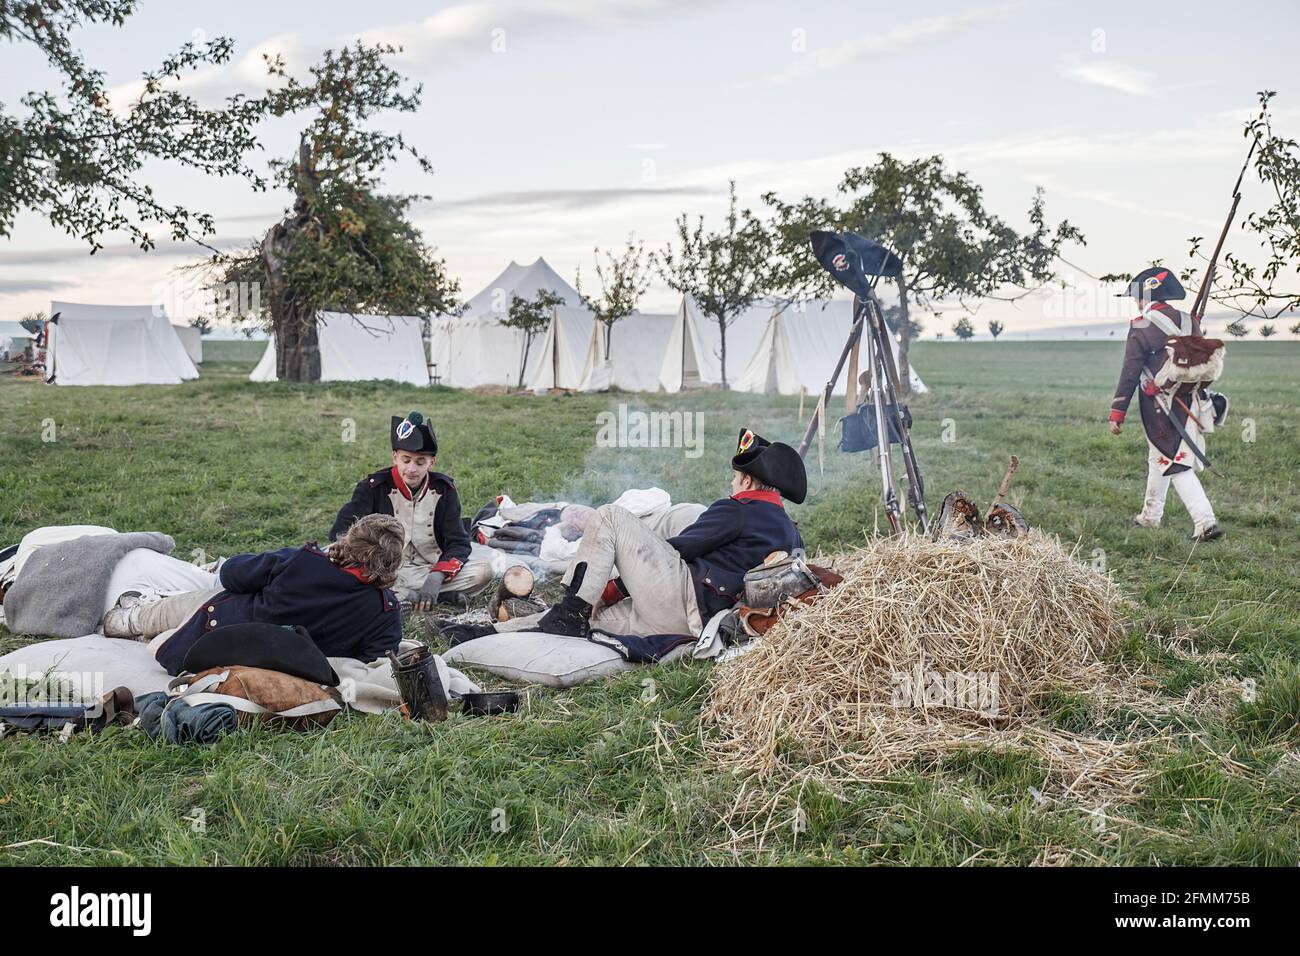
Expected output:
(784, 579)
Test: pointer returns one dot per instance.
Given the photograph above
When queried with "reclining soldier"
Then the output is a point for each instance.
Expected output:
(436, 563)
(674, 586)
(341, 597)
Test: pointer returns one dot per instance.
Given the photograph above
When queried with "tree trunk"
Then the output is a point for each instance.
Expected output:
(297, 347)
(722, 339)
(523, 366)
(904, 339)
(609, 339)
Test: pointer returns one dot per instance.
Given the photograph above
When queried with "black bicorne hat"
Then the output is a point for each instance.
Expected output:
(413, 434)
(1156, 284)
(772, 463)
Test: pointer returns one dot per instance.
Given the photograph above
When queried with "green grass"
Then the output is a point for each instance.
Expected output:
(608, 773)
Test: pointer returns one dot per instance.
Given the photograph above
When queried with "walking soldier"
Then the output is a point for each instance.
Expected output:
(1169, 364)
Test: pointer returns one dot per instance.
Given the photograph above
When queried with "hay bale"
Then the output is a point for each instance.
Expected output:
(927, 646)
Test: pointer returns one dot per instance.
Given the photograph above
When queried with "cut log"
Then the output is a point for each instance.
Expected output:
(512, 594)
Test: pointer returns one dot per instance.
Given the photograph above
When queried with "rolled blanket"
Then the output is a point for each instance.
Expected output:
(61, 589)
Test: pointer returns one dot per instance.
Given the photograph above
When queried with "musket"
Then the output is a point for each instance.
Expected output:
(1203, 296)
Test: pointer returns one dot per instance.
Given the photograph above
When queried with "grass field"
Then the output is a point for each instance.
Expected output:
(611, 774)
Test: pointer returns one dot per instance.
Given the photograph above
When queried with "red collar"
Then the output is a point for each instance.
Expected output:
(401, 485)
(771, 497)
(361, 573)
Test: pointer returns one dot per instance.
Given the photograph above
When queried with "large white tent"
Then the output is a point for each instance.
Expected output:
(800, 345)
(106, 352)
(638, 345)
(474, 349)
(192, 339)
(693, 354)
(162, 344)
(561, 359)
(361, 348)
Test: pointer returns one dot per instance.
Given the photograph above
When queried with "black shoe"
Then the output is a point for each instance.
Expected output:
(570, 618)
(455, 634)
(1209, 534)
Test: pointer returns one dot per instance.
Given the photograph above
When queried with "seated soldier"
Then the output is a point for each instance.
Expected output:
(341, 597)
(674, 586)
(436, 562)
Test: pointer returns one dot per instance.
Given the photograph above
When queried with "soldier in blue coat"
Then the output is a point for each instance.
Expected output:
(341, 597)
(674, 586)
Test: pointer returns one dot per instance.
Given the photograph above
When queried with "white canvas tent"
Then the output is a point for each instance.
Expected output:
(362, 348)
(693, 354)
(635, 363)
(106, 352)
(161, 345)
(12, 334)
(561, 360)
(474, 349)
(799, 348)
(192, 339)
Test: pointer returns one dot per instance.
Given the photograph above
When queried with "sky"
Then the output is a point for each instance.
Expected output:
(558, 127)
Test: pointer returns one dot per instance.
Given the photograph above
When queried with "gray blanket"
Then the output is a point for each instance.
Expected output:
(61, 590)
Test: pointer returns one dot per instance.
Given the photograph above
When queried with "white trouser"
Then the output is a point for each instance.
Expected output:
(1189, 489)
(662, 591)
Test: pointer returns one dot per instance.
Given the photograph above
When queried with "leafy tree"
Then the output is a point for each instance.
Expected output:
(623, 280)
(530, 316)
(1295, 329)
(996, 328)
(894, 317)
(1237, 329)
(1272, 289)
(950, 244)
(342, 246)
(725, 272)
(963, 329)
(1267, 331)
(75, 158)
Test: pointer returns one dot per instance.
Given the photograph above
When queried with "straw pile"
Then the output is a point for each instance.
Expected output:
(926, 648)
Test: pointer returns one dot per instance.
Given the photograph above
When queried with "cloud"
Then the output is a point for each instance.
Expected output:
(562, 199)
(18, 286)
(466, 28)
(1114, 76)
(81, 254)
(914, 33)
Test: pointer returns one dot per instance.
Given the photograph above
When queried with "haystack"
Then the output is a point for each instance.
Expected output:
(926, 648)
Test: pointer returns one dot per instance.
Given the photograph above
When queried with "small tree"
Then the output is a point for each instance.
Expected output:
(963, 329)
(951, 245)
(1267, 331)
(894, 318)
(1272, 289)
(33, 322)
(1237, 329)
(203, 324)
(623, 280)
(530, 316)
(1295, 329)
(725, 272)
(996, 328)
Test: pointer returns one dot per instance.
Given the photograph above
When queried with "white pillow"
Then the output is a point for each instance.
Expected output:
(536, 658)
